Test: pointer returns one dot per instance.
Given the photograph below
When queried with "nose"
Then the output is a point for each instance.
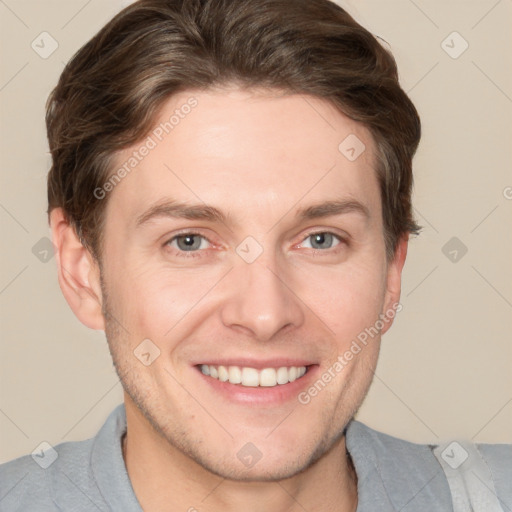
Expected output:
(262, 302)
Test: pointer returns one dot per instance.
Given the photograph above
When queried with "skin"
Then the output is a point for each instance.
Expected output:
(258, 156)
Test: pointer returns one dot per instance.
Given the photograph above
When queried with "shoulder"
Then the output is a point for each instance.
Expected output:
(404, 475)
(73, 475)
(390, 452)
(28, 482)
(499, 459)
(410, 473)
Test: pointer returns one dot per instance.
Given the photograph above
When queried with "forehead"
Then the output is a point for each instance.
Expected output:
(247, 152)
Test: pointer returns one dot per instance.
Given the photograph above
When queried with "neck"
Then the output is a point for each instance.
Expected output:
(163, 478)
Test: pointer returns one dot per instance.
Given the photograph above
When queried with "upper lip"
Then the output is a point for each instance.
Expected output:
(259, 364)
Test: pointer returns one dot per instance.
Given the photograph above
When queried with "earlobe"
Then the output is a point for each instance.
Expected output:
(394, 281)
(78, 272)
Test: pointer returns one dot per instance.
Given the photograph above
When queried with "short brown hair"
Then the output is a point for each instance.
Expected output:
(109, 94)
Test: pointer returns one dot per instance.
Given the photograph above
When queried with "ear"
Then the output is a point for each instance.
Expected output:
(394, 281)
(78, 272)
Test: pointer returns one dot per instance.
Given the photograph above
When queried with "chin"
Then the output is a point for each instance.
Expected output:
(262, 471)
(271, 462)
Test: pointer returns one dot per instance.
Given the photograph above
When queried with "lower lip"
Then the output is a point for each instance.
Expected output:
(261, 395)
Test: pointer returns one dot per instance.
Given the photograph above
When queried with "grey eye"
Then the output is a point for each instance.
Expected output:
(188, 242)
(322, 240)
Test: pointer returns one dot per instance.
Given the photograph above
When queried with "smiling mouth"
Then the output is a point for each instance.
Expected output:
(251, 377)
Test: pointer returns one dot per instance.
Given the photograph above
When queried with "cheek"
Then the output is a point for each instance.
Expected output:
(348, 300)
(155, 304)
(162, 304)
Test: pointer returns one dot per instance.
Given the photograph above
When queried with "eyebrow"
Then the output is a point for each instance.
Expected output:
(178, 210)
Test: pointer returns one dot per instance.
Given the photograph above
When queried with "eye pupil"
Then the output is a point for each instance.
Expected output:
(186, 242)
(322, 238)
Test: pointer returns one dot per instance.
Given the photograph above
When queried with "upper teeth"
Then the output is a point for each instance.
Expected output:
(252, 377)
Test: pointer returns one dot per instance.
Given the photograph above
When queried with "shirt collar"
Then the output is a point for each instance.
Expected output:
(109, 469)
(108, 466)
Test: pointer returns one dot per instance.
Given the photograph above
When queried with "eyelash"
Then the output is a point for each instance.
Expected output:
(195, 254)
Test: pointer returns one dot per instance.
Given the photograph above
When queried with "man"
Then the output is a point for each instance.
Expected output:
(230, 202)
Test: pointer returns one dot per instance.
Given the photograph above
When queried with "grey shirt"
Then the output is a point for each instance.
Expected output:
(393, 474)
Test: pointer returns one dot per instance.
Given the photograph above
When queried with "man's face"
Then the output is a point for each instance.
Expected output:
(263, 288)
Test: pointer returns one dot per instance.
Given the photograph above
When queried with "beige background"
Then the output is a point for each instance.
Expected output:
(445, 367)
